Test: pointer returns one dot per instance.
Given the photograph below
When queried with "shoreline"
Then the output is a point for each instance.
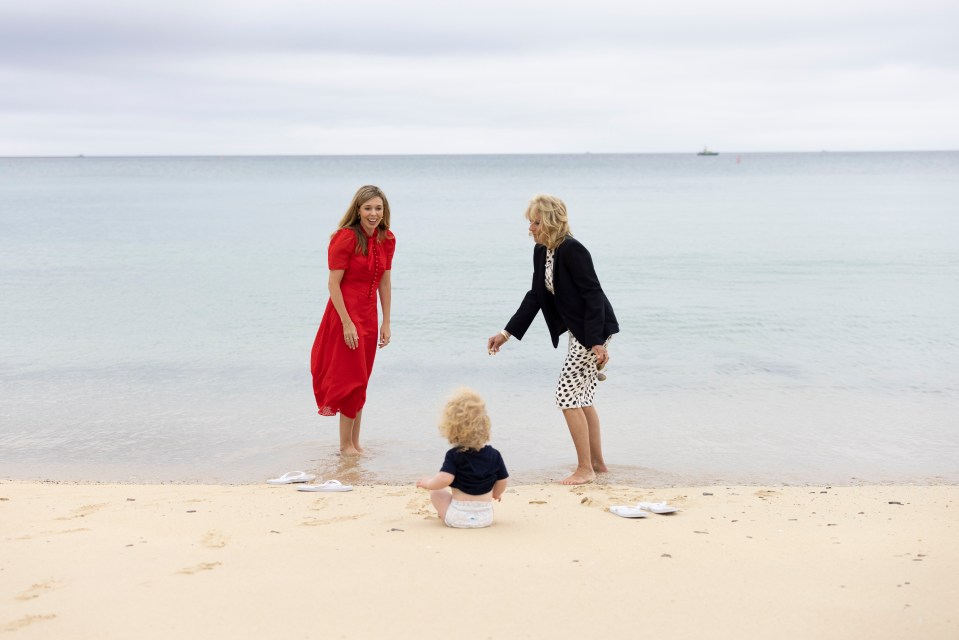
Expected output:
(92, 560)
(366, 472)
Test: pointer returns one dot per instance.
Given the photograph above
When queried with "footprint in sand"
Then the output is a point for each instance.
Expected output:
(214, 540)
(51, 533)
(203, 566)
(419, 506)
(84, 511)
(36, 590)
(319, 523)
(26, 621)
(762, 494)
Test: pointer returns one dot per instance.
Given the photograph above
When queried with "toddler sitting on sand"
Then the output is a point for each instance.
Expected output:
(473, 469)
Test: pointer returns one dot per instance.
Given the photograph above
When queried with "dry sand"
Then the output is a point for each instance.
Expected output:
(189, 561)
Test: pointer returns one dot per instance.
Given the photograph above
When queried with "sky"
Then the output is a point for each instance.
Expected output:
(368, 77)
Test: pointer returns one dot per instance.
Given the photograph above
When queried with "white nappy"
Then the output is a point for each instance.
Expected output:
(469, 514)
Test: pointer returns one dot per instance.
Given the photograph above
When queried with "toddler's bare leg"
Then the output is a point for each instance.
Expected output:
(441, 499)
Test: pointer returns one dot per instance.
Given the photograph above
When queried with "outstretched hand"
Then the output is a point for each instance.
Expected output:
(494, 343)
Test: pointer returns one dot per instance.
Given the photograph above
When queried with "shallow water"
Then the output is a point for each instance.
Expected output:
(785, 317)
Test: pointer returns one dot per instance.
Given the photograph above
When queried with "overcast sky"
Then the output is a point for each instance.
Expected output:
(137, 77)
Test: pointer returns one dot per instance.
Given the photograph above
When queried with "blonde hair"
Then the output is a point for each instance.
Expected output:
(464, 422)
(553, 220)
(351, 219)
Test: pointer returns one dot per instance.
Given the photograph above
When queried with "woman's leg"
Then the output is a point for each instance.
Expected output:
(595, 441)
(355, 439)
(441, 499)
(350, 434)
(580, 432)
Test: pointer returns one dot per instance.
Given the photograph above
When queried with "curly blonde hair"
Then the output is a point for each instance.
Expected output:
(553, 219)
(464, 422)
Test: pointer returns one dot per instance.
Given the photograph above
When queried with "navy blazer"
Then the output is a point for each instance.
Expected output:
(578, 303)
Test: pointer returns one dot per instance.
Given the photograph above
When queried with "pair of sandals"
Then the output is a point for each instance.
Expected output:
(643, 509)
(296, 477)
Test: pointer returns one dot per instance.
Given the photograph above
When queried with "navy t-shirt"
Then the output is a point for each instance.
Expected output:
(475, 472)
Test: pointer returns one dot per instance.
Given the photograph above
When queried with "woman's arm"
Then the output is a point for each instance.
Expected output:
(517, 325)
(336, 297)
(440, 481)
(386, 292)
(529, 307)
(525, 314)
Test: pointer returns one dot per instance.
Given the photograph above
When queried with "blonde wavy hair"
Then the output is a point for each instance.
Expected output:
(351, 219)
(464, 422)
(553, 219)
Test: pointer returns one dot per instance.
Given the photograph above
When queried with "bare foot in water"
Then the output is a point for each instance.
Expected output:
(579, 477)
(599, 467)
(350, 451)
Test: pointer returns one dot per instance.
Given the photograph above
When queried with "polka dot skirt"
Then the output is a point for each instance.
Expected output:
(577, 382)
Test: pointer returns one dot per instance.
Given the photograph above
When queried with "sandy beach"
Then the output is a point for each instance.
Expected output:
(259, 561)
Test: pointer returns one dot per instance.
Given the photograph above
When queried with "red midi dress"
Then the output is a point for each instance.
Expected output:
(340, 374)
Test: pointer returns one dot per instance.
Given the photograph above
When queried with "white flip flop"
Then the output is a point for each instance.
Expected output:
(657, 507)
(329, 485)
(292, 476)
(628, 512)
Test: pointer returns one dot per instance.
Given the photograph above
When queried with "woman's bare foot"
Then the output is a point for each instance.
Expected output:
(350, 451)
(599, 467)
(580, 476)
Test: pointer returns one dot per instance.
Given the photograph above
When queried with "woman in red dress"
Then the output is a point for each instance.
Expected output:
(360, 257)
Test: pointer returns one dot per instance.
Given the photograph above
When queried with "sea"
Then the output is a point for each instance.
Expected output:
(786, 318)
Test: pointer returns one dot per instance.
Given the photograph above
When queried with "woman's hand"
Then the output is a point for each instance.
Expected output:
(495, 342)
(602, 355)
(384, 335)
(350, 336)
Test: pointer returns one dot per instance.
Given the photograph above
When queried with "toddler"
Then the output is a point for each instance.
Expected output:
(473, 470)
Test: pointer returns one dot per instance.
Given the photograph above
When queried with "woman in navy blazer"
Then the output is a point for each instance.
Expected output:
(565, 288)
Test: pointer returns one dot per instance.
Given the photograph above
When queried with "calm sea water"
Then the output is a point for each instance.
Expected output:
(785, 317)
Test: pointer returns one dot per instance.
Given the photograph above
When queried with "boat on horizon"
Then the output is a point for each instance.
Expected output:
(707, 152)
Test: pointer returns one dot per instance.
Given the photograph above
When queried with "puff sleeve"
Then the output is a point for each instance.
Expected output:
(342, 247)
(389, 248)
